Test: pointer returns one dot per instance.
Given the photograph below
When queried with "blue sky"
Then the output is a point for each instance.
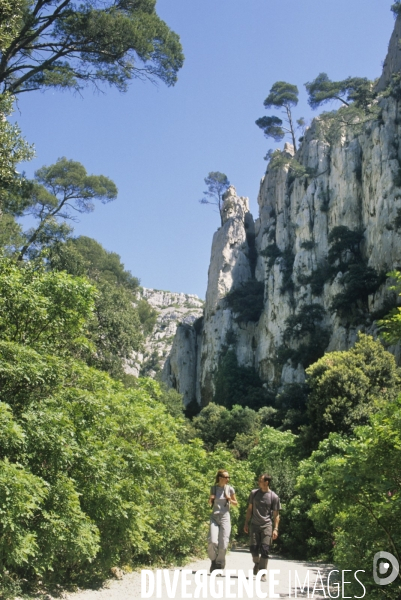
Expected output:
(159, 143)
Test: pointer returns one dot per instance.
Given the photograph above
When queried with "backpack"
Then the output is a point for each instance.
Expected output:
(226, 492)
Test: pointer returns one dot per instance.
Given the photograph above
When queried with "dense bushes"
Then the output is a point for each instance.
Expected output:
(359, 281)
(339, 490)
(344, 386)
(247, 301)
(93, 459)
(361, 516)
(235, 384)
(119, 319)
(304, 330)
(92, 473)
(238, 429)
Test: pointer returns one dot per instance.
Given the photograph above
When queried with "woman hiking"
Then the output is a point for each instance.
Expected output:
(221, 496)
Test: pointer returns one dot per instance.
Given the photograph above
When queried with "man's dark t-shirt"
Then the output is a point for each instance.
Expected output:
(264, 503)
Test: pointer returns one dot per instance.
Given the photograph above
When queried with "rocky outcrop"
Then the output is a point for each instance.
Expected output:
(172, 310)
(392, 63)
(326, 235)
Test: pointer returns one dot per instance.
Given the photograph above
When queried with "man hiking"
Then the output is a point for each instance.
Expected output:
(263, 508)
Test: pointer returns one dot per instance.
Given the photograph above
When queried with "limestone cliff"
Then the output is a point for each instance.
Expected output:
(325, 237)
(173, 309)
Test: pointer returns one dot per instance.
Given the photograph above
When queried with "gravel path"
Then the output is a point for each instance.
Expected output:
(129, 587)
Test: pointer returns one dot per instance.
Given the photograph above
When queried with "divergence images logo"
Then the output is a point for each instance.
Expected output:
(382, 568)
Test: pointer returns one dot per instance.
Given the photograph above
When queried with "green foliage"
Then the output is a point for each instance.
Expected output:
(331, 126)
(11, 12)
(285, 96)
(276, 454)
(147, 315)
(215, 424)
(304, 538)
(96, 474)
(394, 91)
(115, 329)
(308, 244)
(396, 8)
(344, 241)
(304, 322)
(217, 183)
(290, 405)
(344, 387)
(279, 160)
(247, 301)
(353, 89)
(119, 319)
(317, 279)
(93, 473)
(272, 127)
(282, 94)
(47, 311)
(271, 252)
(102, 264)
(172, 400)
(60, 191)
(287, 265)
(359, 281)
(238, 428)
(362, 515)
(10, 234)
(66, 45)
(390, 325)
(235, 384)
(305, 330)
(13, 150)
(151, 365)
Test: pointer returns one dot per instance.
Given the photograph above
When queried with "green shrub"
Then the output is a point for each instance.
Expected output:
(359, 282)
(216, 424)
(304, 322)
(239, 385)
(362, 515)
(344, 385)
(397, 220)
(308, 245)
(271, 252)
(324, 197)
(316, 279)
(342, 241)
(305, 329)
(247, 301)
(290, 404)
(287, 284)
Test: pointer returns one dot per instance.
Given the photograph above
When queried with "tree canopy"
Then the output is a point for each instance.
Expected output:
(391, 323)
(119, 318)
(282, 95)
(362, 513)
(13, 150)
(344, 387)
(396, 8)
(353, 89)
(217, 183)
(61, 44)
(60, 191)
(44, 310)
